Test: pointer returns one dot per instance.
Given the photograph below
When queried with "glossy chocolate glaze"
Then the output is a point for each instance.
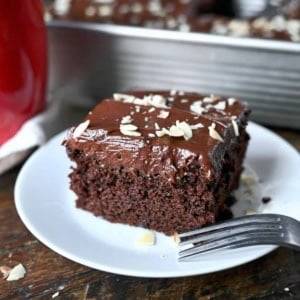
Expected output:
(164, 155)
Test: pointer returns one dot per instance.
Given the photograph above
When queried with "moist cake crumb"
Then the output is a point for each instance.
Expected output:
(170, 174)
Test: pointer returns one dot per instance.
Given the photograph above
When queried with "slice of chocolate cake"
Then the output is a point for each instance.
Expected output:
(161, 160)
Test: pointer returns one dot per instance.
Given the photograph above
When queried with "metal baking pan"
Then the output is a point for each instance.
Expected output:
(91, 61)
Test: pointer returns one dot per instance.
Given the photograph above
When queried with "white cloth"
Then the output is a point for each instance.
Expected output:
(60, 114)
(20, 145)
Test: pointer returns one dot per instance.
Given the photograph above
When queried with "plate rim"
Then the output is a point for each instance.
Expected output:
(119, 270)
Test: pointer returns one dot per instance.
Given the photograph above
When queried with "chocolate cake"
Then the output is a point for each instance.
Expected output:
(166, 161)
(281, 22)
(147, 13)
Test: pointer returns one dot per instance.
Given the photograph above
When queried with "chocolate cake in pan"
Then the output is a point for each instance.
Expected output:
(148, 13)
(279, 21)
(166, 161)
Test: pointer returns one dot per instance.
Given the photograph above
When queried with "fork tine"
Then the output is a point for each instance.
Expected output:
(240, 244)
(251, 239)
(265, 229)
(229, 231)
(240, 221)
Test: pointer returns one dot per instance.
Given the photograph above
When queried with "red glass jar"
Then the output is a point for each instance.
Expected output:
(23, 63)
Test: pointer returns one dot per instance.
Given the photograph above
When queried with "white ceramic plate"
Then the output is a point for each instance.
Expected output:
(47, 207)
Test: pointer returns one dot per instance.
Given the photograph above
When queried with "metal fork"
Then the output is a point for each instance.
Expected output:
(251, 230)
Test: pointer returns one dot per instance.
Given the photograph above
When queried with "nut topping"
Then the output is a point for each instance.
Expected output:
(79, 130)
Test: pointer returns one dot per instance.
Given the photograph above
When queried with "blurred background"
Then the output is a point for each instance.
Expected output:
(246, 49)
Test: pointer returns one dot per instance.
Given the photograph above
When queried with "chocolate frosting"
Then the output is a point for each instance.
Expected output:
(152, 154)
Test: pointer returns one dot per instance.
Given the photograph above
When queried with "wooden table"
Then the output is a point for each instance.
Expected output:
(50, 276)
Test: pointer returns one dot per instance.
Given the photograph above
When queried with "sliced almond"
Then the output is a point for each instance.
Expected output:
(126, 120)
(186, 128)
(176, 238)
(147, 239)
(90, 11)
(231, 101)
(157, 127)
(139, 101)
(197, 107)
(132, 133)
(250, 212)
(119, 97)
(213, 133)
(152, 109)
(56, 294)
(208, 99)
(248, 179)
(162, 132)
(129, 129)
(163, 114)
(235, 127)
(158, 101)
(220, 105)
(184, 100)
(196, 126)
(79, 130)
(176, 131)
(16, 273)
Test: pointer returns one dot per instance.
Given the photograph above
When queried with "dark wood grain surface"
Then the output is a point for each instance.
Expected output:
(50, 276)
